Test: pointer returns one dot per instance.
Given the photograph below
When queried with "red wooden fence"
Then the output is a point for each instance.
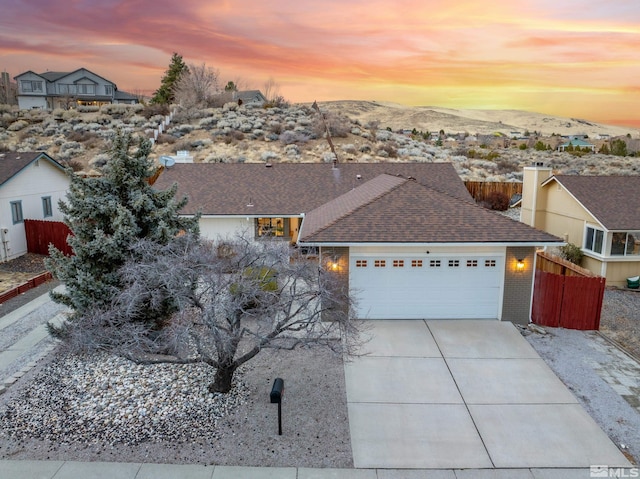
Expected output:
(566, 301)
(41, 233)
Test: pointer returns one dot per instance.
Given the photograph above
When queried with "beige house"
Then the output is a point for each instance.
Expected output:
(601, 214)
(407, 239)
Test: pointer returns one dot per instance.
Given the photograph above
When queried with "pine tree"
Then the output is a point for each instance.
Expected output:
(165, 94)
(107, 215)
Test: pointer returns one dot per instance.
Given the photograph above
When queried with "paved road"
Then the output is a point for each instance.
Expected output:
(23, 333)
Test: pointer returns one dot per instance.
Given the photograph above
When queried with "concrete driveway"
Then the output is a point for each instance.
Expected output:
(464, 394)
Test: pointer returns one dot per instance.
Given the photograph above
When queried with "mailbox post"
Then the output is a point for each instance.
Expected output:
(276, 397)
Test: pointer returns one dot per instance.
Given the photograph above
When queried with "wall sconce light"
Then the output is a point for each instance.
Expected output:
(334, 266)
(520, 265)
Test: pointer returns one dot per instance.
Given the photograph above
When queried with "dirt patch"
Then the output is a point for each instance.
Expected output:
(20, 270)
(620, 318)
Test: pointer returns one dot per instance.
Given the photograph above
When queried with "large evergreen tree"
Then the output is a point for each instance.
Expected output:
(166, 93)
(107, 215)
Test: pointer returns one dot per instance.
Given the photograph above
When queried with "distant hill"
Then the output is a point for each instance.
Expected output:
(432, 118)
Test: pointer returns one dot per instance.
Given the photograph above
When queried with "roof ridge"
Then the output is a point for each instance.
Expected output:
(363, 204)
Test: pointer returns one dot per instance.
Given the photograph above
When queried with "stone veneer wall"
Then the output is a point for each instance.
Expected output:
(339, 255)
(516, 304)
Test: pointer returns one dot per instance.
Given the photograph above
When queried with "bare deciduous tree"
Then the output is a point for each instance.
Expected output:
(235, 298)
(197, 87)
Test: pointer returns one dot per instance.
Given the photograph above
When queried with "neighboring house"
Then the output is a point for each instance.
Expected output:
(50, 90)
(249, 97)
(600, 214)
(31, 185)
(576, 143)
(407, 238)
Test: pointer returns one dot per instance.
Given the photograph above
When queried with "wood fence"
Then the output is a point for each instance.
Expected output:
(565, 295)
(42, 233)
(481, 189)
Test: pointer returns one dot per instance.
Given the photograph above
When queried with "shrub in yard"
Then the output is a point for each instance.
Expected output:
(154, 109)
(572, 252)
(498, 201)
(18, 125)
(88, 108)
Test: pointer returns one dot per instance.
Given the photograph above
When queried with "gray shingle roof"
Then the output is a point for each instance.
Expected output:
(12, 163)
(408, 212)
(613, 200)
(289, 189)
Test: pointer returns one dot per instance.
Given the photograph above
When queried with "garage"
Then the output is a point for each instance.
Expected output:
(427, 287)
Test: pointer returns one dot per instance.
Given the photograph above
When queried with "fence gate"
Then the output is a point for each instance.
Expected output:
(572, 302)
(40, 233)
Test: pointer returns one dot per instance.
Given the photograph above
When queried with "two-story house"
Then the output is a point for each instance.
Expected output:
(49, 90)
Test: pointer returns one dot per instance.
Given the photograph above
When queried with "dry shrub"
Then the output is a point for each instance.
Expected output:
(18, 125)
(339, 126)
(149, 111)
(166, 139)
(388, 150)
(496, 200)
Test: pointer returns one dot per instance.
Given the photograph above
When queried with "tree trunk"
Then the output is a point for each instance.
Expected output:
(223, 379)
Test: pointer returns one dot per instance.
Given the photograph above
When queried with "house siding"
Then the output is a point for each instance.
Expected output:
(518, 285)
(340, 256)
(216, 228)
(561, 215)
(35, 181)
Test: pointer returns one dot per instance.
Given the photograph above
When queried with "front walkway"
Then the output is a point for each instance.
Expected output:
(465, 394)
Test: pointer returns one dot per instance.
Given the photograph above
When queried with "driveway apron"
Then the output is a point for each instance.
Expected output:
(464, 394)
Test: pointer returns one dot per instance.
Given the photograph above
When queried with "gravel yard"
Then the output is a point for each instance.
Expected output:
(109, 409)
(620, 318)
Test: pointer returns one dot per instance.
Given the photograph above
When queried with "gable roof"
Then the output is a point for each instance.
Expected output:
(55, 76)
(395, 210)
(12, 163)
(290, 189)
(612, 200)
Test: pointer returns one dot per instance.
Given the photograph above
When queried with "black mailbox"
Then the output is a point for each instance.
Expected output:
(277, 391)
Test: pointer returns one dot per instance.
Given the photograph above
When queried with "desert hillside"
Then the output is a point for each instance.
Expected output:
(434, 119)
(482, 144)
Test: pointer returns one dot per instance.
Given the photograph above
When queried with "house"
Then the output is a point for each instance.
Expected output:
(50, 90)
(576, 143)
(406, 238)
(600, 214)
(31, 185)
(249, 97)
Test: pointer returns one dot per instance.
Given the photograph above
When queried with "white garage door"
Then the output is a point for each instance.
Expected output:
(452, 287)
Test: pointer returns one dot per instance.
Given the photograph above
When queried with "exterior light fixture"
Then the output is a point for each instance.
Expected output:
(520, 265)
(334, 266)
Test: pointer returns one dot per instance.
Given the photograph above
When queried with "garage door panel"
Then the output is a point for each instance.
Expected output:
(470, 290)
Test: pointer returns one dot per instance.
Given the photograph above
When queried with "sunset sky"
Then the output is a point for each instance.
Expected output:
(575, 58)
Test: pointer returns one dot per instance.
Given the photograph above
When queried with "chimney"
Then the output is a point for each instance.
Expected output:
(532, 179)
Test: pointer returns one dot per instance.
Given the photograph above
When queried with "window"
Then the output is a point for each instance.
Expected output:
(47, 208)
(489, 263)
(84, 89)
(593, 240)
(379, 263)
(454, 263)
(16, 212)
(472, 263)
(272, 227)
(29, 86)
(361, 263)
(416, 263)
(434, 263)
(398, 263)
(108, 89)
(625, 243)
